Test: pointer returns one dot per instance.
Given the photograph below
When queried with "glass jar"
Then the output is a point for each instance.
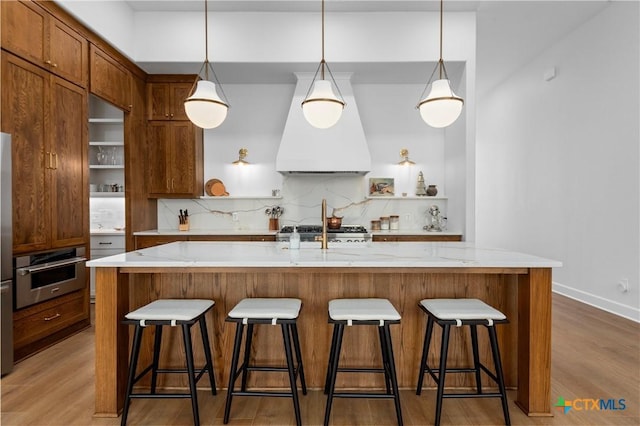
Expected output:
(394, 222)
(375, 225)
(384, 223)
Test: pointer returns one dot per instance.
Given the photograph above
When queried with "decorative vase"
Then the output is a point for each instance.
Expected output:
(432, 190)
(273, 224)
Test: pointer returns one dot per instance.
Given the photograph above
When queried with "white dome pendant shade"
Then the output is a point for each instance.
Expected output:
(441, 107)
(322, 108)
(204, 107)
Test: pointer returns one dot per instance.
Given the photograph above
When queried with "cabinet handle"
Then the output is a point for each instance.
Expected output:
(168, 186)
(172, 183)
(47, 62)
(166, 114)
(171, 115)
(50, 164)
(52, 317)
(105, 244)
(55, 156)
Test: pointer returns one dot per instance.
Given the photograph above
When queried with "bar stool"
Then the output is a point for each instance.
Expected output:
(378, 312)
(172, 312)
(459, 312)
(272, 311)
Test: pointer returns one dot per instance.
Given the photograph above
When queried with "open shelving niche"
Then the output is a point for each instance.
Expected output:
(106, 135)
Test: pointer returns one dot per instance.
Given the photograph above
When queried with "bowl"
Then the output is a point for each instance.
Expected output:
(334, 222)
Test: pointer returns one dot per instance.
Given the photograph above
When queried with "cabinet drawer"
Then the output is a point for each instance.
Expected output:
(39, 321)
(107, 242)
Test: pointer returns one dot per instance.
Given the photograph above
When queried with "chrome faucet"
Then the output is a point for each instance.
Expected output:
(323, 237)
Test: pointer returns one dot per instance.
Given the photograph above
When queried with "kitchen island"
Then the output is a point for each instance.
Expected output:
(516, 283)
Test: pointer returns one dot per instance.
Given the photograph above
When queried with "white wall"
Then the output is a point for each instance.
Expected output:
(557, 161)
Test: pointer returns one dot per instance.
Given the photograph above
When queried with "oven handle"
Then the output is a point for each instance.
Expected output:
(51, 265)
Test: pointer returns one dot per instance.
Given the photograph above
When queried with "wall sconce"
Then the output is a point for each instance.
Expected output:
(404, 153)
(241, 157)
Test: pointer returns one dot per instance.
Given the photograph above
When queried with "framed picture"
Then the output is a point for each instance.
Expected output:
(381, 187)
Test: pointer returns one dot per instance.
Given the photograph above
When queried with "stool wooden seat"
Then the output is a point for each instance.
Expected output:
(169, 312)
(349, 312)
(274, 311)
(459, 312)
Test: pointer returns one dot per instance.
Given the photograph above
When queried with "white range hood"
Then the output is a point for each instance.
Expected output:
(338, 149)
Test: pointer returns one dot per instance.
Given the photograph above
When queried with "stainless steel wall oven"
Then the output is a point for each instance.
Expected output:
(50, 274)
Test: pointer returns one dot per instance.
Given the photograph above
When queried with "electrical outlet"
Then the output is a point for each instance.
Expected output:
(234, 216)
(623, 285)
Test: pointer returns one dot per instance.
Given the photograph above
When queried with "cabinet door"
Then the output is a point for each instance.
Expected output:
(69, 53)
(24, 26)
(159, 146)
(179, 92)
(175, 155)
(182, 161)
(158, 101)
(24, 92)
(69, 183)
(109, 79)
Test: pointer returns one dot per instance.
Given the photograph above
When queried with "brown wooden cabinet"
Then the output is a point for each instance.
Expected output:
(41, 325)
(110, 80)
(165, 101)
(33, 34)
(46, 117)
(175, 156)
(415, 238)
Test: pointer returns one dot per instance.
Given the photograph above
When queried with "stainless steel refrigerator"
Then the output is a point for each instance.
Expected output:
(6, 257)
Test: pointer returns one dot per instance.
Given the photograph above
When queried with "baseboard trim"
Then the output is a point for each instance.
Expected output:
(607, 305)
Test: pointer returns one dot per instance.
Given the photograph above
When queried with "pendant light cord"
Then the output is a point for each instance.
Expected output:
(441, 62)
(206, 39)
(322, 61)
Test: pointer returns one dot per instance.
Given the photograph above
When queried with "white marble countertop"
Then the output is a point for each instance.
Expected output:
(196, 254)
(106, 231)
(158, 232)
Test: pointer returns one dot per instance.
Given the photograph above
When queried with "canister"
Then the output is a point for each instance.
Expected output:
(384, 223)
(375, 225)
(394, 222)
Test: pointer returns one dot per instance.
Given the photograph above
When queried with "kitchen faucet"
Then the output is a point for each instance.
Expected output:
(323, 237)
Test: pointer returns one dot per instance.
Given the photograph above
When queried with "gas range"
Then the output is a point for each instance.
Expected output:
(344, 234)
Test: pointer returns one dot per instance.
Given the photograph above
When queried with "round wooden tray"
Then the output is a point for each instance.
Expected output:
(215, 188)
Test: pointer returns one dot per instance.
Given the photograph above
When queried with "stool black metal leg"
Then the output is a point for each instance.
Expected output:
(335, 358)
(444, 350)
(291, 369)
(156, 357)
(232, 371)
(476, 357)
(392, 372)
(191, 371)
(385, 360)
(296, 346)
(247, 355)
(207, 354)
(334, 339)
(498, 366)
(425, 353)
(133, 365)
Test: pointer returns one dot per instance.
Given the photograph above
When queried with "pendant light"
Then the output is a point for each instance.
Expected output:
(204, 107)
(441, 107)
(321, 107)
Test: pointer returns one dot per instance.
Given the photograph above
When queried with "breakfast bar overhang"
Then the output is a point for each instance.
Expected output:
(405, 273)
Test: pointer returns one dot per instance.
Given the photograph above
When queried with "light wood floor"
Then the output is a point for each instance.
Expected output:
(596, 355)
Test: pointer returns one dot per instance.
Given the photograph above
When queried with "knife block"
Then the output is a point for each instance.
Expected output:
(273, 224)
(184, 226)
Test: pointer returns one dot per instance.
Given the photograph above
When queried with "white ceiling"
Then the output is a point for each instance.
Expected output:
(510, 33)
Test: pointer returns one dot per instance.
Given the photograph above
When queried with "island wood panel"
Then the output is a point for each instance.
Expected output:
(519, 292)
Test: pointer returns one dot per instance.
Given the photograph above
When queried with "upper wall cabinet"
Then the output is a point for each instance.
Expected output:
(110, 80)
(166, 100)
(31, 33)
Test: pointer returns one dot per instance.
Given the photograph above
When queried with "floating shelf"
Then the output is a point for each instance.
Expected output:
(106, 166)
(240, 197)
(106, 120)
(107, 194)
(409, 197)
(106, 143)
